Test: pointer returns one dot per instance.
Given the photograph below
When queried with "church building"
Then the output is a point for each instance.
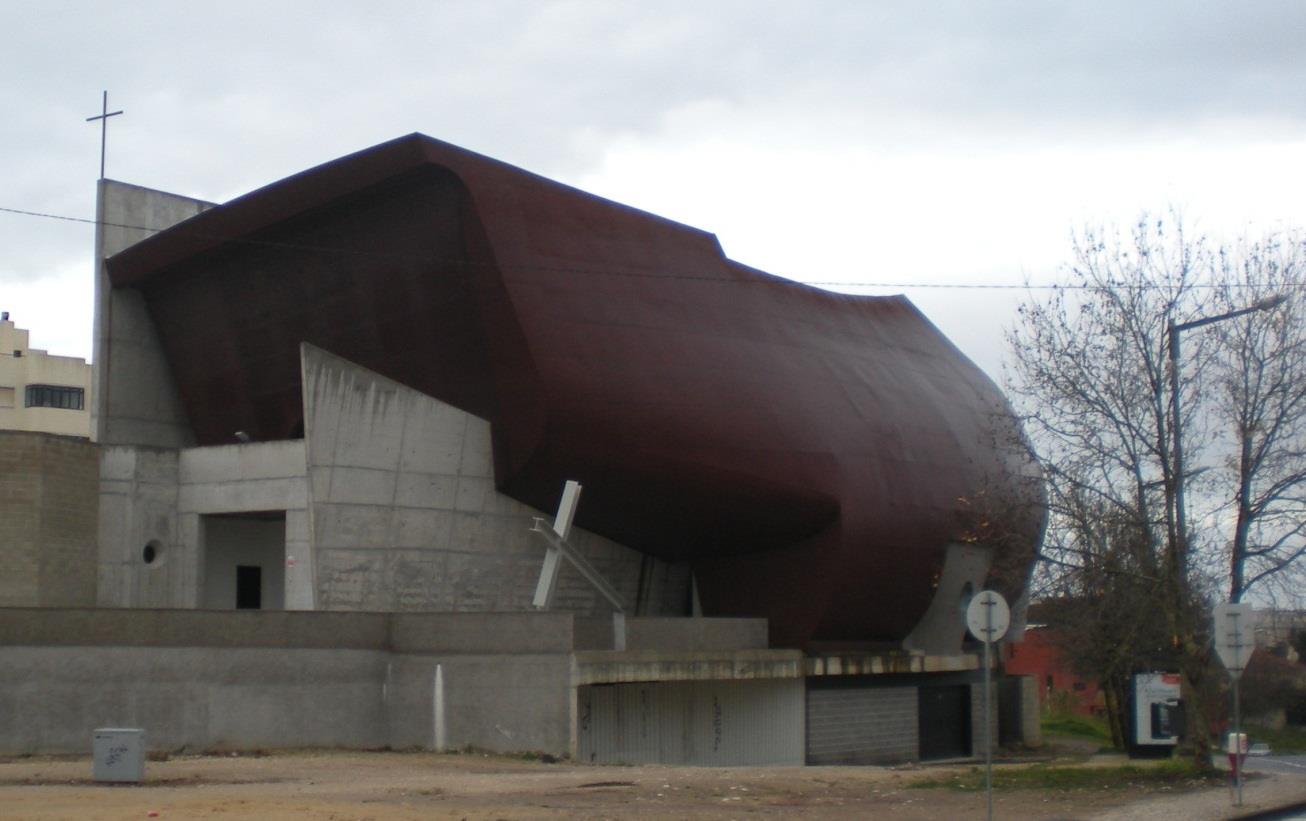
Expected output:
(460, 415)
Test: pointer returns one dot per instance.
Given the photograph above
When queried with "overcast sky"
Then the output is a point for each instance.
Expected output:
(896, 144)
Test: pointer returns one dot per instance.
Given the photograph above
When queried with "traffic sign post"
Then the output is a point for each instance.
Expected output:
(1235, 638)
(988, 618)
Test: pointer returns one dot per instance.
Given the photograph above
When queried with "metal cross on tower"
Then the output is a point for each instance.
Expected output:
(103, 117)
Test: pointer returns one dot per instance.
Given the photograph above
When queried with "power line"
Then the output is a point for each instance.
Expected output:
(323, 249)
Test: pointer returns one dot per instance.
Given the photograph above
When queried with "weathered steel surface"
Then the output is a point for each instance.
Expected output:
(812, 453)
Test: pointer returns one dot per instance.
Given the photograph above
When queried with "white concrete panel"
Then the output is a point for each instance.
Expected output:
(472, 493)
(300, 570)
(425, 490)
(434, 441)
(247, 496)
(361, 486)
(942, 628)
(351, 526)
(714, 723)
(430, 529)
(138, 507)
(478, 454)
(404, 512)
(117, 462)
(255, 460)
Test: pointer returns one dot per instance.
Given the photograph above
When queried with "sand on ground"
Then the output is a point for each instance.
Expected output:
(390, 786)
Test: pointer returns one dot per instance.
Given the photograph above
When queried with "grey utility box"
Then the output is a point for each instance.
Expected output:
(119, 755)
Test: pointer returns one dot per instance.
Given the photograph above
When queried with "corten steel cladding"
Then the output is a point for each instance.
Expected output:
(811, 453)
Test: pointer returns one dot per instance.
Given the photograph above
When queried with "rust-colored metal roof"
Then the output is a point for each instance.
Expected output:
(812, 453)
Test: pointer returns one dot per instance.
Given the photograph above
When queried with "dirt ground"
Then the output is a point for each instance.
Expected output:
(386, 786)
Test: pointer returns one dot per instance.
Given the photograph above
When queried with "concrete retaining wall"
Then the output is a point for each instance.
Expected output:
(712, 723)
(205, 679)
(192, 697)
(208, 679)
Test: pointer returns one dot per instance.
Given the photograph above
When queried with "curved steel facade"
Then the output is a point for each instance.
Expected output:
(812, 453)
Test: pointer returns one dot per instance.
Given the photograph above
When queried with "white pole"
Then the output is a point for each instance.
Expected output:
(441, 737)
(988, 723)
(1238, 756)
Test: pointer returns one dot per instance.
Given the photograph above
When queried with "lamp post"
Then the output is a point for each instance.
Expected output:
(1173, 330)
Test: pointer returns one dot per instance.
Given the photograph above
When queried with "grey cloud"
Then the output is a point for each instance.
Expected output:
(220, 101)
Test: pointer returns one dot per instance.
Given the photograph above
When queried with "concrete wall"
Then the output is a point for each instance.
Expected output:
(48, 517)
(943, 627)
(674, 634)
(138, 507)
(500, 681)
(505, 702)
(210, 679)
(257, 477)
(135, 397)
(389, 505)
(1019, 711)
(205, 679)
(197, 698)
(159, 496)
(405, 515)
(712, 723)
(22, 365)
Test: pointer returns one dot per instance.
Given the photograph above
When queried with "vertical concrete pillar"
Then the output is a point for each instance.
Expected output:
(134, 397)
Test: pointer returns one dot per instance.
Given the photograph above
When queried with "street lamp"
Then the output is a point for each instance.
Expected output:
(1174, 329)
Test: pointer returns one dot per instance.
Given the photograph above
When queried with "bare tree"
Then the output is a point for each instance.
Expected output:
(1114, 579)
(1090, 368)
(1261, 406)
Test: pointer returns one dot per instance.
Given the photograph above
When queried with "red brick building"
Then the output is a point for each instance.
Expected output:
(1038, 656)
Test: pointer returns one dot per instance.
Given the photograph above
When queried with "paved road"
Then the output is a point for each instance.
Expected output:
(1286, 764)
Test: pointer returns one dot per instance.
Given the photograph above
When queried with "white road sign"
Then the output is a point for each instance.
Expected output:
(988, 616)
(1235, 635)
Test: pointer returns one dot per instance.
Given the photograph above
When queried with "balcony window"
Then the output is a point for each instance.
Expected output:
(56, 396)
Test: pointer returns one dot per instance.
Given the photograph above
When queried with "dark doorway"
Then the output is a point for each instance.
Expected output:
(235, 546)
(249, 587)
(945, 722)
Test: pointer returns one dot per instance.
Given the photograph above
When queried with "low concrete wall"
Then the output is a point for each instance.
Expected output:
(672, 634)
(112, 627)
(197, 698)
(213, 679)
(205, 679)
(501, 681)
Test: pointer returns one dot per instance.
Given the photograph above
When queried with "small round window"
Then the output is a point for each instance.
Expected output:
(152, 552)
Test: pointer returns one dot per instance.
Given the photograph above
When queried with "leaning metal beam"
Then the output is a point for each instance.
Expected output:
(582, 564)
(548, 582)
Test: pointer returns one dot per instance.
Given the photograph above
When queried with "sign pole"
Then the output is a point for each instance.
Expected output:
(988, 720)
(988, 617)
(1235, 640)
(1238, 755)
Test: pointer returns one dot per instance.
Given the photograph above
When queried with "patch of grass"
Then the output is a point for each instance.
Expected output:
(1086, 727)
(1165, 775)
(1288, 740)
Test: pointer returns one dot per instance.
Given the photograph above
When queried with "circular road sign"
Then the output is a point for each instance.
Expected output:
(988, 616)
